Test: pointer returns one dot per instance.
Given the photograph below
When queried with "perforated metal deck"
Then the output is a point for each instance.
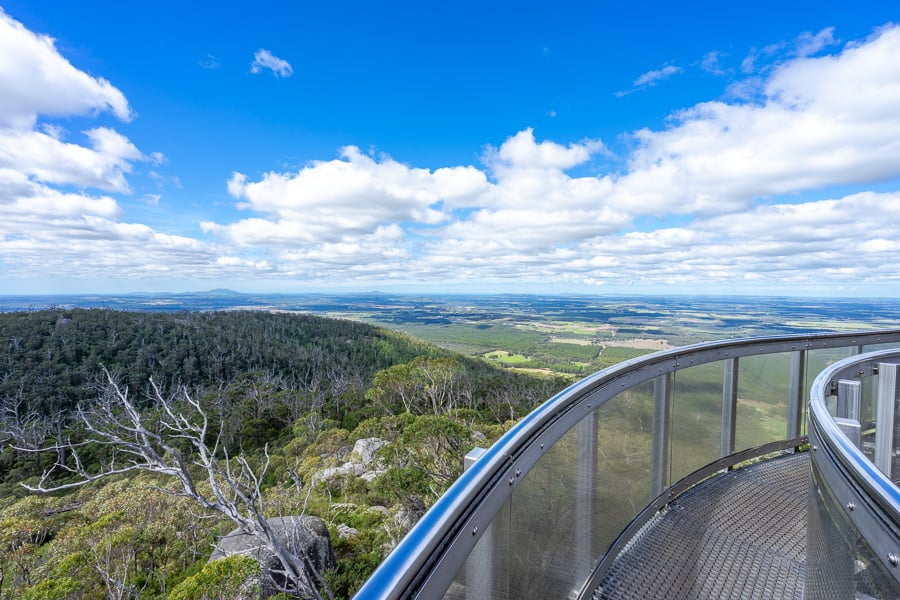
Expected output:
(741, 534)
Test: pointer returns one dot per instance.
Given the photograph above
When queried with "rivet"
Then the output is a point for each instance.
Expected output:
(895, 560)
(475, 530)
(850, 506)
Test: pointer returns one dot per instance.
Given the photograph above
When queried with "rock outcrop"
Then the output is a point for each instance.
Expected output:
(361, 464)
(305, 537)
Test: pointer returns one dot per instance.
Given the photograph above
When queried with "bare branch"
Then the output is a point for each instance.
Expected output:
(152, 442)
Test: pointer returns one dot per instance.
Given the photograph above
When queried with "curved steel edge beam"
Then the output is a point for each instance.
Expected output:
(833, 479)
(875, 483)
(430, 555)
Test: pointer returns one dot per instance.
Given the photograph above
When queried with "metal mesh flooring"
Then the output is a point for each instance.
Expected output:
(738, 535)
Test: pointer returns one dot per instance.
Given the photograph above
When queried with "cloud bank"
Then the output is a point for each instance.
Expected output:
(50, 225)
(730, 194)
(728, 171)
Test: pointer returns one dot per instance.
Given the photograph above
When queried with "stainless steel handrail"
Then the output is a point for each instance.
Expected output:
(428, 558)
(869, 498)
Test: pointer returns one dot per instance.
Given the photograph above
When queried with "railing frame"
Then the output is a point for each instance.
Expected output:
(868, 496)
(888, 384)
(427, 560)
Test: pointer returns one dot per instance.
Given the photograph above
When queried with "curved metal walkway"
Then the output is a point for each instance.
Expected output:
(741, 534)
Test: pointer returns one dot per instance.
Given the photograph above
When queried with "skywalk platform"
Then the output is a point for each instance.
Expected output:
(741, 534)
(639, 482)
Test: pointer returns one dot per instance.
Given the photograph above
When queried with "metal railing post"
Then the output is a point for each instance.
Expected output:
(662, 434)
(586, 436)
(849, 394)
(729, 406)
(885, 413)
(796, 388)
(480, 564)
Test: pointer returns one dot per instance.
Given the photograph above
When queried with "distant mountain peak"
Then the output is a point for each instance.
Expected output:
(219, 292)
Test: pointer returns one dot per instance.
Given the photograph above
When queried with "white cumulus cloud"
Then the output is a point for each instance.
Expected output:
(37, 80)
(521, 151)
(806, 133)
(726, 171)
(45, 228)
(263, 59)
(351, 195)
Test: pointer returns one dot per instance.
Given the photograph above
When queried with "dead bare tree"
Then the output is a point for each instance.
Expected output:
(176, 441)
(22, 427)
(114, 573)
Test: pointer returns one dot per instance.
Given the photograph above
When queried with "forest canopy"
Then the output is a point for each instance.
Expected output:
(288, 396)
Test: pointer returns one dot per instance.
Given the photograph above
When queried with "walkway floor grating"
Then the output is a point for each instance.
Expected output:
(741, 534)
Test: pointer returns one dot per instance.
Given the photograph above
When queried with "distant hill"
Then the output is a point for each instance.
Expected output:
(218, 293)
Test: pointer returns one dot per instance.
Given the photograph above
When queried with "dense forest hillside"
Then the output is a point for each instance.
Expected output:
(289, 398)
(53, 357)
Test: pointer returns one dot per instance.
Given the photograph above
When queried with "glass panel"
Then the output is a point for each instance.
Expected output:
(486, 571)
(817, 361)
(762, 405)
(696, 418)
(885, 420)
(575, 501)
(840, 561)
(625, 444)
(571, 506)
(874, 347)
(543, 531)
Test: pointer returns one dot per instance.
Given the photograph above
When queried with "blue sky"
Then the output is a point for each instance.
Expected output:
(493, 146)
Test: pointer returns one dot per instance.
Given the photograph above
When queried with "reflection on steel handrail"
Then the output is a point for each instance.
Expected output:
(856, 505)
(428, 559)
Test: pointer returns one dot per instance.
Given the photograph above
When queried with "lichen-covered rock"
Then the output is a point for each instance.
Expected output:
(330, 473)
(305, 537)
(366, 449)
(382, 510)
(361, 463)
(345, 532)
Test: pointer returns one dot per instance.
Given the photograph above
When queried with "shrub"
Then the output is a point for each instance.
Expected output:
(220, 580)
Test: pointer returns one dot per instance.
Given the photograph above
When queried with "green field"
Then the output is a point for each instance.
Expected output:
(502, 356)
(574, 349)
